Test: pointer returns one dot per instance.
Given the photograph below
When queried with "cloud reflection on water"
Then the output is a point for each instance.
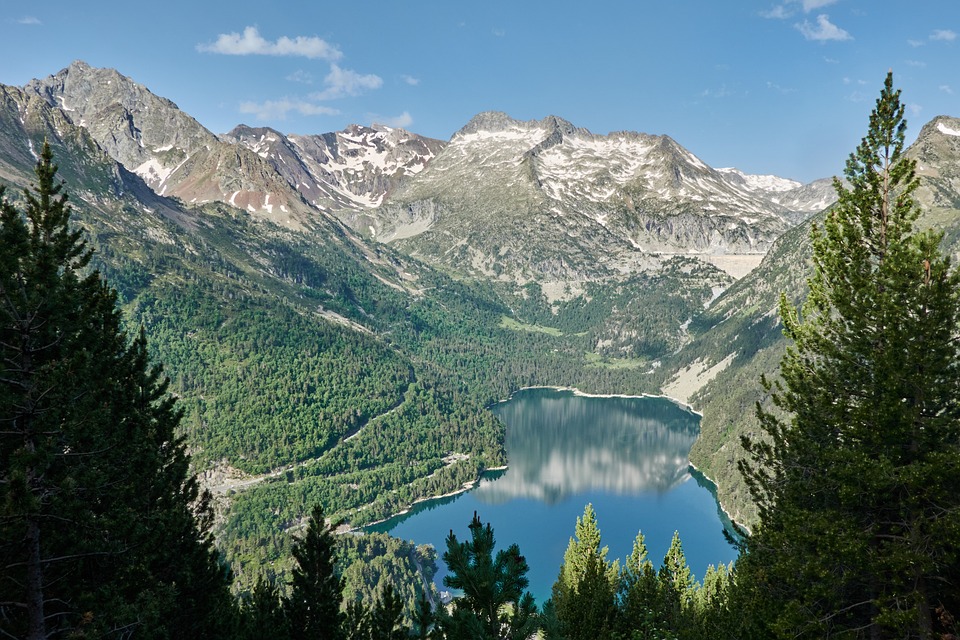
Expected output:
(560, 444)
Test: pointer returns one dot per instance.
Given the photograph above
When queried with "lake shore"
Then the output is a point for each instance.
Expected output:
(683, 405)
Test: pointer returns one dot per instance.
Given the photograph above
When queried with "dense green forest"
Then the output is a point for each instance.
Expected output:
(104, 531)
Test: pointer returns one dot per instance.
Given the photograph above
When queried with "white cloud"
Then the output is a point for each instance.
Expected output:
(810, 5)
(401, 121)
(920, 64)
(29, 20)
(779, 12)
(500, 33)
(250, 42)
(301, 76)
(916, 43)
(785, 9)
(823, 31)
(943, 35)
(346, 82)
(946, 89)
(278, 109)
(410, 80)
(915, 109)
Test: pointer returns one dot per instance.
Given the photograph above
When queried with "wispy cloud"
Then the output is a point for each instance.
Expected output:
(410, 80)
(500, 33)
(29, 20)
(401, 121)
(787, 8)
(946, 89)
(919, 64)
(773, 86)
(301, 76)
(346, 82)
(943, 35)
(722, 92)
(915, 109)
(250, 42)
(278, 109)
(779, 12)
(810, 5)
(823, 31)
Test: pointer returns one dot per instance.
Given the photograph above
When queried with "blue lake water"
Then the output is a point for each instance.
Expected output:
(626, 456)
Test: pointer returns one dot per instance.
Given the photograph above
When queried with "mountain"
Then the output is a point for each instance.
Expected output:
(347, 172)
(549, 202)
(287, 181)
(738, 337)
(336, 311)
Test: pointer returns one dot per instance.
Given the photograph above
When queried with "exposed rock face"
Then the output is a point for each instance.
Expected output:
(525, 200)
(517, 201)
(288, 181)
(347, 172)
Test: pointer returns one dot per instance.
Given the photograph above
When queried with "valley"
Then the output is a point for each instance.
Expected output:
(337, 312)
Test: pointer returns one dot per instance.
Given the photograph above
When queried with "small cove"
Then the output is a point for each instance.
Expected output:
(626, 456)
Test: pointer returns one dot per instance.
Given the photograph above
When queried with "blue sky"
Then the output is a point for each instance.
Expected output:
(768, 86)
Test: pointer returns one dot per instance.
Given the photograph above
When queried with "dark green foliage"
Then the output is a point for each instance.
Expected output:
(584, 595)
(262, 614)
(422, 618)
(494, 603)
(594, 598)
(98, 531)
(386, 617)
(313, 607)
(374, 562)
(858, 486)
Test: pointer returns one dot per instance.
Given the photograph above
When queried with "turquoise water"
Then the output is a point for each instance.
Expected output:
(626, 456)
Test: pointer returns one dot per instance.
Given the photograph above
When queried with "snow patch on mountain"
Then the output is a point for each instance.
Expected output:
(944, 129)
(768, 183)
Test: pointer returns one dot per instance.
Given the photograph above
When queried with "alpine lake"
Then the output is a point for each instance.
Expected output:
(626, 456)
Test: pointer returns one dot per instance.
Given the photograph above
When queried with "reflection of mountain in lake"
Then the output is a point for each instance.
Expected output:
(559, 444)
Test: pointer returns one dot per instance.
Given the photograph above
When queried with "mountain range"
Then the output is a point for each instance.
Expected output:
(314, 296)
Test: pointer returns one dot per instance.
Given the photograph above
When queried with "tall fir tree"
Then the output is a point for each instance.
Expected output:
(98, 532)
(584, 594)
(857, 477)
(316, 590)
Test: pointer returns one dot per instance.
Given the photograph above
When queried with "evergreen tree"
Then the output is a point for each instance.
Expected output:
(262, 613)
(676, 587)
(356, 622)
(316, 590)
(422, 617)
(638, 599)
(386, 617)
(98, 532)
(584, 595)
(858, 479)
(494, 603)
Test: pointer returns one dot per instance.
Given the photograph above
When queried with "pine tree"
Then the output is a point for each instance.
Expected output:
(639, 594)
(98, 533)
(584, 595)
(313, 608)
(262, 613)
(494, 603)
(386, 616)
(676, 586)
(422, 617)
(857, 481)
